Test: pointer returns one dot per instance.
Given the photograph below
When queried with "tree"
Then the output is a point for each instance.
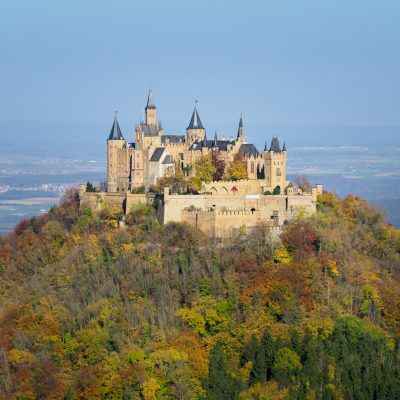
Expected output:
(220, 384)
(204, 168)
(303, 183)
(90, 187)
(277, 190)
(219, 164)
(238, 169)
(286, 364)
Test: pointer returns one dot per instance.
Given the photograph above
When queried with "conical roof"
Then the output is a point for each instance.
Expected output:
(150, 101)
(240, 128)
(195, 122)
(115, 133)
(215, 142)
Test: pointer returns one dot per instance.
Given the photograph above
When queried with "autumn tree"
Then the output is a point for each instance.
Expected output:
(303, 183)
(204, 168)
(237, 169)
(219, 164)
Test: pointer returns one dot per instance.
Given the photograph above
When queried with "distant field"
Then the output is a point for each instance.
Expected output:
(12, 211)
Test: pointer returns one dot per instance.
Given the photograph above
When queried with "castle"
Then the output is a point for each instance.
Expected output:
(155, 154)
(221, 206)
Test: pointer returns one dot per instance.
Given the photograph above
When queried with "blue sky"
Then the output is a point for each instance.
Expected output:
(280, 63)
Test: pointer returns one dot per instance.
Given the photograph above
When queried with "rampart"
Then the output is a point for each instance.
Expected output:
(215, 214)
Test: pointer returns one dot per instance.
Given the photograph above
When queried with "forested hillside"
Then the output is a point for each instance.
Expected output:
(91, 311)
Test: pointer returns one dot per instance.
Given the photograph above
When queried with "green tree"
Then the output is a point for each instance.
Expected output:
(286, 365)
(220, 384)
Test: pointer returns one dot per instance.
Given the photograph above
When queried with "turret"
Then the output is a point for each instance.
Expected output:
(115, 142)
(151, 110)
(240, 134)
(195, 129)
(275, 164)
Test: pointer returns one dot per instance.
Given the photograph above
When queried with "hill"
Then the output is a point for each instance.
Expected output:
(90, 311)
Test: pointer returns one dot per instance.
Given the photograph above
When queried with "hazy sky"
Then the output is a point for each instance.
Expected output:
(277, 62)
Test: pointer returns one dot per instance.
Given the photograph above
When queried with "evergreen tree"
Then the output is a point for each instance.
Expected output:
(220, 384)
(251, 350)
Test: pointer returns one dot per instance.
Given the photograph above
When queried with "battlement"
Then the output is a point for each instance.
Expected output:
(174, 144)
(233, 182)
(222, 213)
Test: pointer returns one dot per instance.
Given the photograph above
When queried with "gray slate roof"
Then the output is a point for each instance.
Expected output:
(150, 101)
(115, 133)
(195, 122)
(222, 145)
(168, 159)
(248, 149)
(275, 147)
(149, 130)
(172, 138)
(157, 154)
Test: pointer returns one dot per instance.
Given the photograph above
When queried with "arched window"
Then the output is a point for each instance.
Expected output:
(252, 167)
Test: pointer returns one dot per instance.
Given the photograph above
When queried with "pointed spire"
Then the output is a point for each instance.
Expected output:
(215, 142)
(150, 101)
(195, 122)
(240, 128)
(265, 146)
(115, 133)
(284, 146)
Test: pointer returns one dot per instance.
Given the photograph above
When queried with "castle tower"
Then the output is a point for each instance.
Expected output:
(275, 165)
(115, 143)
(195, 130)
(151, 110)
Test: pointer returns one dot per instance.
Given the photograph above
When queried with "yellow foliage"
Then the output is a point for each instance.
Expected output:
(268, 391)
(319, 325)
(193, 320)
(17, 357)
(149, 389)
(282, 255)
(333, 269)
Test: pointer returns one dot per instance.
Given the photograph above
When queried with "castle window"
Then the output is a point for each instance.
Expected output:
(278, 172)
(252, 167)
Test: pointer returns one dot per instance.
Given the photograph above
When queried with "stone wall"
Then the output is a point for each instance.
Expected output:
(98, 200)
(221, 224)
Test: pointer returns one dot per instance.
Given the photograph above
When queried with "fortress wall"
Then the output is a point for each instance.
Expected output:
(97, 200)
(174, 204)
(304, 202)
(132, 199)
(223, 223)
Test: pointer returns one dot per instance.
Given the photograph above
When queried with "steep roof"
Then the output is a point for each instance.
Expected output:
(149, 130)
(248, 149)
(157, 154)
(195, 122)
(150, 101)
(240, 128)
(221, 145)
(168, 159)
(115, 133)
(275, 147)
